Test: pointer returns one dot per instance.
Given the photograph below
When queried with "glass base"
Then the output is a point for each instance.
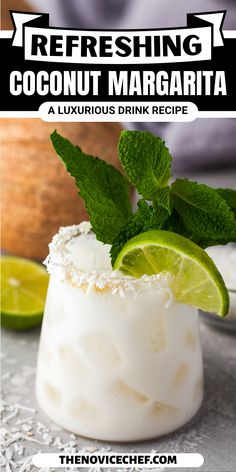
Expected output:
(110, 433)
(118, 369)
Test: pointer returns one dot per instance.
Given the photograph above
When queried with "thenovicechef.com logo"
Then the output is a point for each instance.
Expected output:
(145, 460)
(46, 67)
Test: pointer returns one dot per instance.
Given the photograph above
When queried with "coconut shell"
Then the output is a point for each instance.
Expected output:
(38, 196)
(15, 5)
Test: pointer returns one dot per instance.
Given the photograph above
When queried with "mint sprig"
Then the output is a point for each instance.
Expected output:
(203, 214)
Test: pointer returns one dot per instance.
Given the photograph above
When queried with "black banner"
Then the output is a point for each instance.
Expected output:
(190, 65)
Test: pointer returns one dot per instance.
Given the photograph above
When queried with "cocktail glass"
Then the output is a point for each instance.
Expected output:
(119, 359)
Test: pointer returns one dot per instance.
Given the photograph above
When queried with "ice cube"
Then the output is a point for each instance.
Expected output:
(161, 409)
(150, 331)
(180, 375)
(71, 361)
(100, 349)
(81, 408)
(52, 394)
(190, 339)
(122, 390)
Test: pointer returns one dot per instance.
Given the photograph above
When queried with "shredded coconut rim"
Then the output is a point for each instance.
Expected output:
(58, 263)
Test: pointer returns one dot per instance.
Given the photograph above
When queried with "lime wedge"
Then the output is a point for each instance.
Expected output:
(196, 280)
(23, 291)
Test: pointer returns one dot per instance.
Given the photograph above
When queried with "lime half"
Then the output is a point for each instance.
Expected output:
(196, 280)
(23, 292)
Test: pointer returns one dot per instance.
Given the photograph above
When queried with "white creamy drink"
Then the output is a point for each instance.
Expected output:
(224, 258)
(119, 359)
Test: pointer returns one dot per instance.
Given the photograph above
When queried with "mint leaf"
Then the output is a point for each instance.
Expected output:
(147, 163)
(204, 213)
(163, 198)
(174, 223)
(158, 216)
(229, 195)
(204, 242)
(144, 219)
(102, 187)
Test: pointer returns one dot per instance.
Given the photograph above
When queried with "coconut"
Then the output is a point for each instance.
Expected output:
(38, 196)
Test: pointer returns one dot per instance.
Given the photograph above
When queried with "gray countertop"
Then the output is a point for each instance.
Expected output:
(26, 430)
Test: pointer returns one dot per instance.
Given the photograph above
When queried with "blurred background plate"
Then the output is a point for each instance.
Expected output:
(229, 322)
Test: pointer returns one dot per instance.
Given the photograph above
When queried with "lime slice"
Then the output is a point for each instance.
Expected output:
(23, 291)
(196, 280)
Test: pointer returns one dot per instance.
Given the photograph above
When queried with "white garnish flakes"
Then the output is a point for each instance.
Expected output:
(113, 282)
(14, 454)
